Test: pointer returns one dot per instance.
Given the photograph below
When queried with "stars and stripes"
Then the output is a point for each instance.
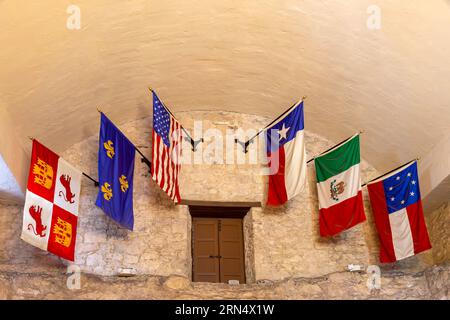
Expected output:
(166, 155)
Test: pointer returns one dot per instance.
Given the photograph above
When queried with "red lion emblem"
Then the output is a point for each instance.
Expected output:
(36, 215)
(68, 195)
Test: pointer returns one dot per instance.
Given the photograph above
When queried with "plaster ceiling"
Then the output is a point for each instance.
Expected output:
(255, 57)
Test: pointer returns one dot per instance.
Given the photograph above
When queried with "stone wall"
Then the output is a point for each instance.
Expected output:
(432, 283)
(281, 243)
(286, 239)
(438, 223)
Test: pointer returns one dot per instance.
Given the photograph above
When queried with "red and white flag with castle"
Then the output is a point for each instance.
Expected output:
(51, 206)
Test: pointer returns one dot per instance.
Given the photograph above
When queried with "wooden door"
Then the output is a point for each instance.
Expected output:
(205, 239)
(218, 250)
(231, 248)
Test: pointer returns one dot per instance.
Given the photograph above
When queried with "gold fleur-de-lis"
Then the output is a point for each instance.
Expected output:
(109, 147)
(123, 183)
(107, 191)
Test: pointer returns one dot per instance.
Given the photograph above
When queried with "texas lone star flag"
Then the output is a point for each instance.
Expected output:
(287, 157)
(51, 206)
(397, 209)
(339, 188)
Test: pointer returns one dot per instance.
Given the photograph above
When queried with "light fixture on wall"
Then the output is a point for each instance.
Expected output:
(126, 272)
(356, 268)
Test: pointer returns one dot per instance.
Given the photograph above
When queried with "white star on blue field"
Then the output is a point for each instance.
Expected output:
(402, 188)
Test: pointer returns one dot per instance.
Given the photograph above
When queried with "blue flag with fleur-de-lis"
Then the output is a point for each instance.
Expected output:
(115, 173)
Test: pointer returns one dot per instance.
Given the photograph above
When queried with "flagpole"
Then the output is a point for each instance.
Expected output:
(188, 138)
(281, 115)
(247, 143)
(144, 159)
(337, 145)
(385, 174)
(96, 183)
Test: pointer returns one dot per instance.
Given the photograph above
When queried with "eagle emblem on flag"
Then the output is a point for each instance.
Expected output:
(336, 189)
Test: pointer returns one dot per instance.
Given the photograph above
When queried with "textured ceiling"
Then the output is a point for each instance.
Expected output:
(255, 57)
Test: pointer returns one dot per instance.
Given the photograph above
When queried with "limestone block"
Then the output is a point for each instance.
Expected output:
(176, 282)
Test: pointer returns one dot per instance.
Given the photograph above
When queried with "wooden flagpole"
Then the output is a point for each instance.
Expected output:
(385, 174)
(337, 145)
(247, 143)
(96, 183)
(188, 136)
(144, 159)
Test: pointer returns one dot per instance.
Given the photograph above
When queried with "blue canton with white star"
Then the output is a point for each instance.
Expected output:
(402, 188)
(161, 120)
(285, 129)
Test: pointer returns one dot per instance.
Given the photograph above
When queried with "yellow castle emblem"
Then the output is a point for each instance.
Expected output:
(43, 174)
(63, 232)
(107, 191)
(109, 147)
(123, 183)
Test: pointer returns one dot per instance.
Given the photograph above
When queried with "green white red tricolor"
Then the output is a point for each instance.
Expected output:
(339, 188)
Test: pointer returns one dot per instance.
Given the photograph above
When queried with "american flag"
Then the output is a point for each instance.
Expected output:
(166, 154)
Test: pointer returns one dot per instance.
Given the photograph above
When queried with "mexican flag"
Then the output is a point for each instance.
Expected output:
(339, 188)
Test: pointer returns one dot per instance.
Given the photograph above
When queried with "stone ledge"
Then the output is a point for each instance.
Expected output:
(432, 283)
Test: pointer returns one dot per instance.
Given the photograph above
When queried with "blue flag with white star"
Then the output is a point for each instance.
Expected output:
(115, 171)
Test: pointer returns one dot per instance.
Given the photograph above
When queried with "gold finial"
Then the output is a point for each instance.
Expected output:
(31, 138)
(361, 131)
(150, 88)
(304, 98)
(99, 110)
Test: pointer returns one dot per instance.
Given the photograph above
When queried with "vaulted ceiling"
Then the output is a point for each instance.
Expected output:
(255, 57)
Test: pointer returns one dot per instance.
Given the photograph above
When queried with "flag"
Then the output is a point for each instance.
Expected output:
(166, 155)
(52, 201)
(339, 188)
(287, 156)
(397, 209)
(115, 171)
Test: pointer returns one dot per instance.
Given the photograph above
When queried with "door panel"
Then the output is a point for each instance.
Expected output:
(206, 243)
(218, 250)
(231, 249)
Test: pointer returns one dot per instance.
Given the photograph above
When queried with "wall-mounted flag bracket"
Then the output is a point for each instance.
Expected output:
(249, 141)
(244, 145)
(194, 143)
(188, 138)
